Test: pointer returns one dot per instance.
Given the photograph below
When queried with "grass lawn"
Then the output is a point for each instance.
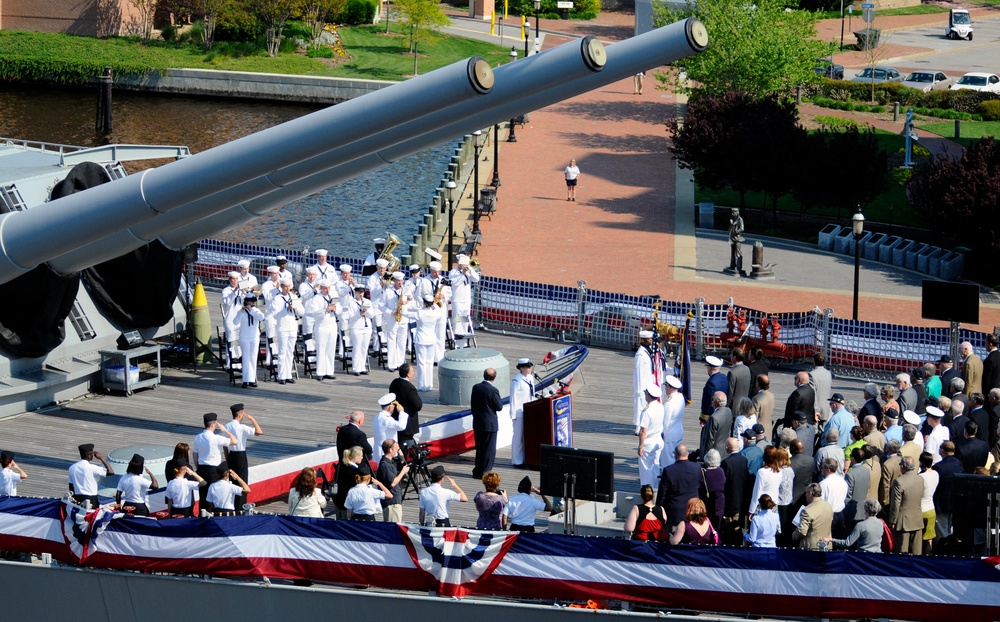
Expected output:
(379, 56)
(891, 207)
(970, 130)
(920, 9)
(374, 55)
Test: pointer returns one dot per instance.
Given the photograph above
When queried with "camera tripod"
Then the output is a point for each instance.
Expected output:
(418, 477)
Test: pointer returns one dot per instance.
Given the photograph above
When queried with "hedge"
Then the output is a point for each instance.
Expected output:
(887, 93)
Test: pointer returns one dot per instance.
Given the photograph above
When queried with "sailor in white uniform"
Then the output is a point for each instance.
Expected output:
(388, 423)
(463, 279)
(249, 320)
(643, 374)
(325, 310)
(650, 436)
(286, 309)
(522, 391)
(396, 299)
(673, 419)
(248, 282)
(307, 289)
(438, 287)
(268, 291)
(372, 258)
(357, 312)
(376, 283)
(324, 270)
(283, 272)
(430, 319)
(232, 302)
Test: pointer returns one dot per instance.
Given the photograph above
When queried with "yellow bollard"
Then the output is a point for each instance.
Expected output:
(201, 325)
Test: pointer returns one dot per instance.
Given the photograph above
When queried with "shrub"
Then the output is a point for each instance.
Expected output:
(990, 110)
(169, 32)
(319, 51)
(358, 12)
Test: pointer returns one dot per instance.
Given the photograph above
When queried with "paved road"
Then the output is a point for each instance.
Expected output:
(952, 57)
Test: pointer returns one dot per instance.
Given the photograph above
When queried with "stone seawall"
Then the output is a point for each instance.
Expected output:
(270, 86)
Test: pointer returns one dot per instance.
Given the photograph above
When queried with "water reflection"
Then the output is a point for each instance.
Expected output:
(343, 219)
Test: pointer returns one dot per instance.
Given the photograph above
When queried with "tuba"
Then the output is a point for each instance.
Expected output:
(391, 242)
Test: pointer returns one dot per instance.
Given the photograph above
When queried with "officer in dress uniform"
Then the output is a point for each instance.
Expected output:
(462, 280)
(522, 391)
(323, 269)
(248, 321)
(248, 282)
(357, 312)
(438, 288)
(371, 259)
(646, 370)
(396, 298)
(236, 455)
(232, 302)
(286, 309)
(283, 271)
(325, 309)
(207, 451)
(270, 289)
(388, 422)
(307, 289)
(430, 319)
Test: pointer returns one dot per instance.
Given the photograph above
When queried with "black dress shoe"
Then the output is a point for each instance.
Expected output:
(320, 378)
(290, 381)
(331, 377)
(357, 373)
(246, 384)
(364, 373)
(281, 382)
(253, 384)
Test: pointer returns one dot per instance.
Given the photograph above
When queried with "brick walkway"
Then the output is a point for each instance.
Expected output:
(619, 234)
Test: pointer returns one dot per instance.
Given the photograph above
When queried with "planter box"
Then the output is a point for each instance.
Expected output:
(899, 252)
(861, 242)
(924, 259)
(952, 267)
(842, 241)
(910, 263)
(934, 264)
(885, 250)
(870, 248)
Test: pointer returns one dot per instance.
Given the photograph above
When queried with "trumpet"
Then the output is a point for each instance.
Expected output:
(474, 263)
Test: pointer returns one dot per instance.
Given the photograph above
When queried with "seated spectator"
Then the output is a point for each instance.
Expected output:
(646, 520)
(305, 499)
(696, 528)
(867, 534)
(490, 504)
(764, 525)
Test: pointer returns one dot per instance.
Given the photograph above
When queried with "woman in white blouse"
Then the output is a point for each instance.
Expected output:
(305, 499)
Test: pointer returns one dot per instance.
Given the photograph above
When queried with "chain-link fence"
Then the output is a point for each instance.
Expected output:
(872, 350)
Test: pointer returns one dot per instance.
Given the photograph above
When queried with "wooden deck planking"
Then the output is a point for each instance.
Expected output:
(303, 417)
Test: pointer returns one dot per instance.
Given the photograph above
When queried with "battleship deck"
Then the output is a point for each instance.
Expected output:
(303, 417)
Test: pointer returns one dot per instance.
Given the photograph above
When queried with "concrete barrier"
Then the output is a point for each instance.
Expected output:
(885, 250)
(842, 241)
(934, 262)
(952, 267)
(910, 262)
(826, 236)
(870, 248)
(899, 252)
(924, 258)
(861, 243)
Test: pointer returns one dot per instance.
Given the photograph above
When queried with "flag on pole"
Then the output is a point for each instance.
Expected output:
(684, 365)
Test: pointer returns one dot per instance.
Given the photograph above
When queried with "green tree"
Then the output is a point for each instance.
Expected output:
(272, 15)
(316, 12)
(210, 10)
(756, 47)
(420, 19)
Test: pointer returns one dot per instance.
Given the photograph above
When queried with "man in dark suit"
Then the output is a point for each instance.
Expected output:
(351, 435)
(717, 381)
(409, 398)
(803, 398)
(486, 403)
(871, 407)
(981, 416)
(946, 469)
(991, 365)
(678, 484)
(739, 378)
(993, 408)
(972, 451)
(735, 469)
(947, 373)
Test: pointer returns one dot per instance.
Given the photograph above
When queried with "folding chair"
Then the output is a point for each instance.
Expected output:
(308, 355)
(235, 367)
(380, 346)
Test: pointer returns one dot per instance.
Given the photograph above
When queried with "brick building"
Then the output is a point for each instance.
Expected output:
(95, 18)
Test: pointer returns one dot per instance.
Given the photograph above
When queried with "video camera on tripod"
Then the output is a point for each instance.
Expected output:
(413, 453)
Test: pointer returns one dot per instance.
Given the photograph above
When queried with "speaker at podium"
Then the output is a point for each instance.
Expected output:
(547, 421)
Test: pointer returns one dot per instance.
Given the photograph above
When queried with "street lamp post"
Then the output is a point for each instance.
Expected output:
(511, 138)
(450, 186)
(859, 227)
(496, 155)
(841, 26)
(538, 7)
(475, 193)
(525, 30)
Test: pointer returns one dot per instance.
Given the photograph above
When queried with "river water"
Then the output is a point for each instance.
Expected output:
(343, 219)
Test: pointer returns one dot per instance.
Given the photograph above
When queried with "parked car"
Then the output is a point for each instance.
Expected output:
(959, 24)
(824, 67)
(879, 75)
(927, 80)
(978, 81)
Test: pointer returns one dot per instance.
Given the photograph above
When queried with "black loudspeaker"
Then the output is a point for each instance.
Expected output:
(130, 339)
(950, 302)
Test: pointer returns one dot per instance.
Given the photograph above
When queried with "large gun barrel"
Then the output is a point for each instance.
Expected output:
(517, 87)
(31, 237)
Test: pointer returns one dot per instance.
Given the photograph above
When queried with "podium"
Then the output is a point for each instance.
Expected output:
(547, 421)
